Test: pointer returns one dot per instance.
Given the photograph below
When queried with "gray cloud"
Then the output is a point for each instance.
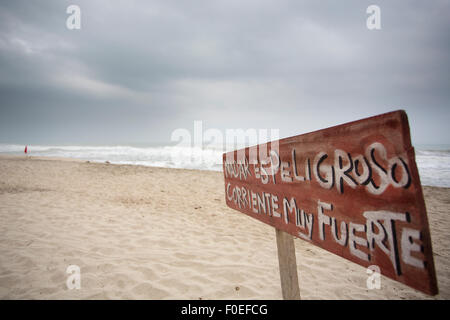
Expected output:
(139, 69)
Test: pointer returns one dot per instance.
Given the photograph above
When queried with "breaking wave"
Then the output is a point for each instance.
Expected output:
(433, 165)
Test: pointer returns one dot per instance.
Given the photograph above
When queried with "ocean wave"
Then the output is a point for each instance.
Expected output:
(163, 156)
(433, 165)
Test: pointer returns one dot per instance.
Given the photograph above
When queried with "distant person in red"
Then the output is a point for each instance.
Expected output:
(26, 149)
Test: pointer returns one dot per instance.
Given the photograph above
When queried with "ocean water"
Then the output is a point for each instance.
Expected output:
(434, 166)
(155, 156)
(433, 161)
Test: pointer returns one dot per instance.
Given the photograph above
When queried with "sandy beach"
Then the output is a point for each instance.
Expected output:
(154, 233)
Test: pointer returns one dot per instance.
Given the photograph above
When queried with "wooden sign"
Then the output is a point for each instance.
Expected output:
(353, 190)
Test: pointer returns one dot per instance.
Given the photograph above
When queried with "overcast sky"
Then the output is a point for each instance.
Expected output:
(137, 70)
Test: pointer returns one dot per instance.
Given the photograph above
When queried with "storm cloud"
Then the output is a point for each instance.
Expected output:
(137, 70)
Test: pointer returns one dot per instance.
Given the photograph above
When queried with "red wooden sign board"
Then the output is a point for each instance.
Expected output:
(352, 189)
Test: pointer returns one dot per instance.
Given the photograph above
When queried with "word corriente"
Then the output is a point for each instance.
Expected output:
(379, 229)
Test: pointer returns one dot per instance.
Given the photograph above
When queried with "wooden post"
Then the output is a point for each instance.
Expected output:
(288, 266)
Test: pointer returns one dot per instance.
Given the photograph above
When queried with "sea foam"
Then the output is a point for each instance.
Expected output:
(433, 165)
